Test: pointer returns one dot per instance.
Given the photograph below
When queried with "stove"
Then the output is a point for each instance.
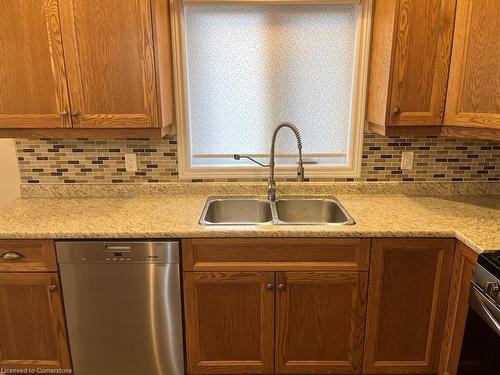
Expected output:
(491, 261)
(487, 282)
(480, 353)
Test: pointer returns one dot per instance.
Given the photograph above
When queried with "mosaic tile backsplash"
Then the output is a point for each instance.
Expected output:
(92, 161)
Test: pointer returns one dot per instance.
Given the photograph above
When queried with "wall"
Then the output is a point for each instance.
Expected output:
(90, 161)
(9, 174)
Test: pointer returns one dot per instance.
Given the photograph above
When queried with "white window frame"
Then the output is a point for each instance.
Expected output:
(358, 107)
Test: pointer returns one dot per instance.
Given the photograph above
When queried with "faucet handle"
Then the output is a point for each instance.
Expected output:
(239, 157)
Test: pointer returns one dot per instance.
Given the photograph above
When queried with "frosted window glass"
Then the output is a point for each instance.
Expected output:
(251, 67)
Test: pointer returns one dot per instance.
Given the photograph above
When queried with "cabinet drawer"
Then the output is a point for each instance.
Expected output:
(257, 254)
(27, 256)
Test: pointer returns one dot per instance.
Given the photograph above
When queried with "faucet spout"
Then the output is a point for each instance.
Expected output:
(271, 186)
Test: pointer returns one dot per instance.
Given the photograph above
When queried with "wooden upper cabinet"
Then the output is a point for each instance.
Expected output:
(408, 295)
(32, 328)
(474, 86)
(229, 322)
(410, 57)
(110, 61)
(74, 69)
(33, 89)
(320, 321)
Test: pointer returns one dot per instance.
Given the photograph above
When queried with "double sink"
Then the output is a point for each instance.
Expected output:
(285, 211)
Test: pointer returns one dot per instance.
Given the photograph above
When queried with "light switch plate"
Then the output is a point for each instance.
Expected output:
(407, 160)
(131, 162)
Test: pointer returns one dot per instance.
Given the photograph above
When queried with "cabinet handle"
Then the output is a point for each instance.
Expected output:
(53, 288)
(269, 287)
(281, 287)
(75, 114)
(63, 113)
(396, 111)
(11, 255)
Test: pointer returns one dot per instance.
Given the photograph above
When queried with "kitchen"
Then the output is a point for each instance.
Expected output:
(250, 187)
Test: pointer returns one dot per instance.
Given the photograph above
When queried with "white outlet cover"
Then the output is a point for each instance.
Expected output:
(407, 160)
(131, 162)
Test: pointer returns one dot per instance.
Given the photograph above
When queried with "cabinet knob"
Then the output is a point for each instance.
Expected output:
(11, 255)
(281, 287)
(396, 111)
(75, 114)
(269, 287)
(53, 288)
(63, 113)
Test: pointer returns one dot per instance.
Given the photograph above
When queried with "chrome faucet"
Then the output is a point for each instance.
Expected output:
(271, 185)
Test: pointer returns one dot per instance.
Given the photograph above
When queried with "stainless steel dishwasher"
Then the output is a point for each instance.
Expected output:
(123, 307)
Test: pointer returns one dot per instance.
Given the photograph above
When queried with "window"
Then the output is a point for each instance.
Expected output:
(242, 69)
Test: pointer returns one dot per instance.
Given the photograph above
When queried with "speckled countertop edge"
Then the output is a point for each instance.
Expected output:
(472, 219)
(226, 188)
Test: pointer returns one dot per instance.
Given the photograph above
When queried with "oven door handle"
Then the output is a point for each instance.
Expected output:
(480, 304)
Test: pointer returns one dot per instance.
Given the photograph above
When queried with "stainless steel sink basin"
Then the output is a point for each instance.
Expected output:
(311, 211)
(285, 211)
(236, 211)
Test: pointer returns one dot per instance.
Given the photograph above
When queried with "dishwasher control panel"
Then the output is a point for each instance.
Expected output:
(128, 256)
(114, 253)
(120, 252)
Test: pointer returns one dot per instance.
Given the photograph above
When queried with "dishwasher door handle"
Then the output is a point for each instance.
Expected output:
(118, 247)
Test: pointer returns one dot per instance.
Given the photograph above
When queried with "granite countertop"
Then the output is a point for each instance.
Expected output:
(473, 219)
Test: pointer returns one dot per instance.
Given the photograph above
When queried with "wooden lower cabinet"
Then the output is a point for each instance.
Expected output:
(229, 318)
(408, 295)
(458, 306)
(32, 328)
(400, 317)
(320, 322)
(283, 254)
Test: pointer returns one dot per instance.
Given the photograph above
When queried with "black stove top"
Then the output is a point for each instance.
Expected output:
(491, 261)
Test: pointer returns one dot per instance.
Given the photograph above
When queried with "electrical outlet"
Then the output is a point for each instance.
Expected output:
(407, 160)
(131, 162)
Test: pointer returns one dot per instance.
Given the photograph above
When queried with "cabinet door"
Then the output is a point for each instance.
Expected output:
(320, 321)
(422, 38)
(458, 306)
(32, 328)
(109, 54)
(474, 87)
(33, 88)
(229, 322)
(409, 282)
